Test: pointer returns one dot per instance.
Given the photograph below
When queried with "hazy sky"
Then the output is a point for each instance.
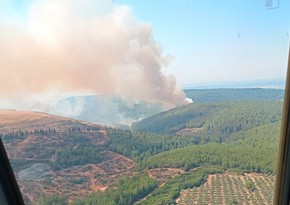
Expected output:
(209, 40)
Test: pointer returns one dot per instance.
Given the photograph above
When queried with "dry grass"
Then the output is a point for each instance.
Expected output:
(189, 131)
(11, 120)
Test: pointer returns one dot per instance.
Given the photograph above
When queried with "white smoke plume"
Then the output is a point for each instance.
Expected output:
(84, 46)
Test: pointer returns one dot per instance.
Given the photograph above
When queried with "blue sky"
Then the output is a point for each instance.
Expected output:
(209, 41)
(221, 40)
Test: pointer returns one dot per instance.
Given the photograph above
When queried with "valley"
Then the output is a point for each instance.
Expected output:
(122, 102)
(209, 152)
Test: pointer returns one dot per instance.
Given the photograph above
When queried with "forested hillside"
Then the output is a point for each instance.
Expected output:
(212, 121)
(234, 136)
(125, 191)
(167, 154)
(230, 94)
(139, 145)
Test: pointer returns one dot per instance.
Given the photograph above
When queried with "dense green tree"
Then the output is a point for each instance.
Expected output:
(79, 155)
(217, 121)
(53, 200)
(253, 150)
(230, 94)
(125, 191)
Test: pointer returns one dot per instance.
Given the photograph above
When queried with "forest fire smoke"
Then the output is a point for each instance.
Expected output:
(87, 47)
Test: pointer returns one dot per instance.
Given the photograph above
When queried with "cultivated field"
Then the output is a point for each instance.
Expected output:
(246, 189)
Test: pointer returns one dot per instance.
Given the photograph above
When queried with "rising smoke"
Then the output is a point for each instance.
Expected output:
(85, 46)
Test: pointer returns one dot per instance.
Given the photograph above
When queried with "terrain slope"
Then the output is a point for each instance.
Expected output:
(54, 155)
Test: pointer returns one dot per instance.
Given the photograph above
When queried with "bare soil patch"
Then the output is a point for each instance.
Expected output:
(164, 174)
(188, 131)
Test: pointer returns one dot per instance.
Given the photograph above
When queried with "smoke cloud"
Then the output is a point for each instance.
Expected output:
(84, 46)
